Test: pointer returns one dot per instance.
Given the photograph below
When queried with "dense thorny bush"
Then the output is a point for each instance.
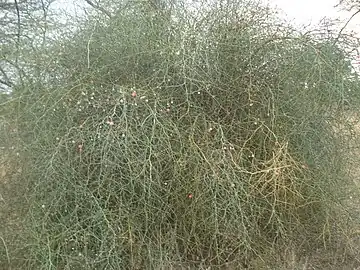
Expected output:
(162, 138)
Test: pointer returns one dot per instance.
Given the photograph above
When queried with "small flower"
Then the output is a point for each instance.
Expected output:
(80, 148)
(110, 122)
(134, 94)
(190, 196)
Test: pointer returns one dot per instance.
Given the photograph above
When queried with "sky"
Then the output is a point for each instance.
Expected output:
(305, 11)
(298, 11)
(312, 11)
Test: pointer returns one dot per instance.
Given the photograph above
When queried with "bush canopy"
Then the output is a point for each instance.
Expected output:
(184, 136)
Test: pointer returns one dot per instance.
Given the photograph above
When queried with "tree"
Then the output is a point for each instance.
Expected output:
(351, 6)
(24, 28)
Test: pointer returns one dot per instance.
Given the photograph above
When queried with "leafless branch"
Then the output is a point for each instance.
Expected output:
(4, 74)
(18, 35)
(8, 84)
(345, 25)
(18, 21)
(107, 13)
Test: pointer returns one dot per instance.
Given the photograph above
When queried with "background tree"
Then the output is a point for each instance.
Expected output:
(27, 30)
(350, 6)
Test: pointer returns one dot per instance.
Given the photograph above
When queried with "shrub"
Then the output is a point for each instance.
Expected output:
(161, 139)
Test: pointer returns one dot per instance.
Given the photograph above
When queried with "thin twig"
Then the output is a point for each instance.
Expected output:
(107, 13)
(18, 37)
(6, 251)
(343, 28)
(18, 25)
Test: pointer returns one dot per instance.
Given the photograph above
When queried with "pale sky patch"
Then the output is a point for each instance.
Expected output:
(305, 12)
